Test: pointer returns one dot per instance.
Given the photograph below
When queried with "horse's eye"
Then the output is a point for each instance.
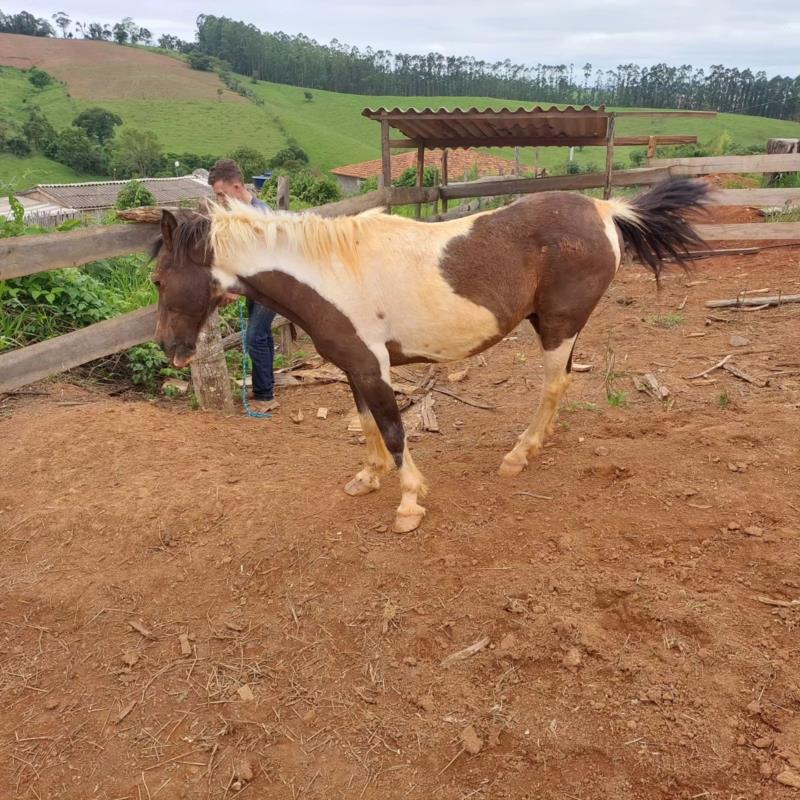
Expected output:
(157, 283)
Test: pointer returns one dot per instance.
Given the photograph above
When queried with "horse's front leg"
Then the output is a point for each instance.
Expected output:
(378, 397)
(379, 459)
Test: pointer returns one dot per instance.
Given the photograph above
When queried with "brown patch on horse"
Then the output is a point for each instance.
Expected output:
(550, 256)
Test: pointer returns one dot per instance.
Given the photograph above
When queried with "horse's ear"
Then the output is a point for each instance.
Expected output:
(168, 224)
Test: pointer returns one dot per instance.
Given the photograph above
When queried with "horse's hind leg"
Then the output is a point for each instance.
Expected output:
(557, 365)
(379, 459)
(378, 397)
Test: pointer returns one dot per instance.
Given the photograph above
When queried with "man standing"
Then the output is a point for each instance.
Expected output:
(227, 181)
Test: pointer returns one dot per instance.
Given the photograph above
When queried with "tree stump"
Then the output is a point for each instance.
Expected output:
(212, 385)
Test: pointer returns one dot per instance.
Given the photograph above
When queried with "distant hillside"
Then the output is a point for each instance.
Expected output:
(185, 109)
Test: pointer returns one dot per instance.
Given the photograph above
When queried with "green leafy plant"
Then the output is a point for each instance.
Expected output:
(671, 319)
(134, 195)
(723, 399)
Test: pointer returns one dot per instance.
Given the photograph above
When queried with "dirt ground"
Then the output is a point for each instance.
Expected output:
(75, 62)
(190, 606)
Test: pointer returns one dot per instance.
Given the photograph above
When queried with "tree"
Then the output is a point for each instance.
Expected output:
(309, 96)
(144, 36)
(63, 21)
(137, 153)
(26, 24)
(133, 195)
(98, 123)
(120, 33)
(75, 149)
(38, 130)
(251, 161)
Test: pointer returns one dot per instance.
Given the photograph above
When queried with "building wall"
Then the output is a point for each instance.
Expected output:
(348, 185)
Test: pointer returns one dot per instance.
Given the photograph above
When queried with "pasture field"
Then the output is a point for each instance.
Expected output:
(191, 607)
(150, 90)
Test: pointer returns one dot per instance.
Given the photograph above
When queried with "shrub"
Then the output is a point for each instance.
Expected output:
(305, 188)
(290, 157)
(199, 61)
(39, 78)
(133, 195)
(98, 123)
(38, 130)
(430, 177)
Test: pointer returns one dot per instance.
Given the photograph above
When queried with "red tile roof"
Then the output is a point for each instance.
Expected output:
(459, 164)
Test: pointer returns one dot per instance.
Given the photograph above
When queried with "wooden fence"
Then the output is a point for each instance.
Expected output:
(32, 254)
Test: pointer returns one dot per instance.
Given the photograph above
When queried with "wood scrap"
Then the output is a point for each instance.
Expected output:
(711, 369)
(582, 367)
(139, 628)
(429, 421)
(466, 400)
(125, 711)
(460, 655)
(322, 413)
(773, 300)
(650, 385)
(742, 375)
(769, 601)
(458, 375)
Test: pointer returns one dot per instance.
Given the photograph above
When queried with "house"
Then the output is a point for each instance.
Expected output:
(460, 164)
(77, 199)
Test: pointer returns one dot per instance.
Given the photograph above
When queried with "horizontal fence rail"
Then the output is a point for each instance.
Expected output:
(29, 255)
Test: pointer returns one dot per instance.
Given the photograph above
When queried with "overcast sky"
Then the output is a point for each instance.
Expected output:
(742, 33)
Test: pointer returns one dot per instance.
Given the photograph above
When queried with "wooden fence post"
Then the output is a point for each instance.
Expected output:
(283, 193)
(212, 385)
(612, 123)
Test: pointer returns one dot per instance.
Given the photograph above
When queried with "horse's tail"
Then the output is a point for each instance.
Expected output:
(653, 225)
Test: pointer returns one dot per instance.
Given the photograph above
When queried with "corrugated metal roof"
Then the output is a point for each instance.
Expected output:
(498, 128)
(103, 194)
(459, 163)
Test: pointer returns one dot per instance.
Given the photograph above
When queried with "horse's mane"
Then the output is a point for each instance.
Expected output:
(191, 231)
(320, 240)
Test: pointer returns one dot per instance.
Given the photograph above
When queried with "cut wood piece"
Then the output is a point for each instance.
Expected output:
(429, 421)
(322, 413)
(581, 367)
(710, 165)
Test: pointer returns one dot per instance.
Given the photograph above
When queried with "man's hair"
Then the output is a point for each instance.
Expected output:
(226, 169)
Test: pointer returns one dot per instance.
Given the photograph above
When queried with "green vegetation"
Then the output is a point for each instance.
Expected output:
(133, 195)
(723, 399)
(672, 319)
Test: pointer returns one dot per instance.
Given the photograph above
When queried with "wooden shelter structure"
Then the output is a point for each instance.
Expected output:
(537, 127)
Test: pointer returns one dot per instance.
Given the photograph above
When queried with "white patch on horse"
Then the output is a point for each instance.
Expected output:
(381, 272)
(609, 211)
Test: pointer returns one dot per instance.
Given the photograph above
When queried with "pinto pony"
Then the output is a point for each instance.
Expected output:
(376, 290)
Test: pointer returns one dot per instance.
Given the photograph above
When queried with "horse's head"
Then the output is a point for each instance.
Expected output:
(187, 292)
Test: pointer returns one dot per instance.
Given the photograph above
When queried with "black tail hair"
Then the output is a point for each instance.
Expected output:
(661, 231)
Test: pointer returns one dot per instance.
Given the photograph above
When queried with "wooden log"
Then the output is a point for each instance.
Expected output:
(37, 361)
(751, 231)
(27, 255)
(595, 180)
(776, 299)
(651, 147)
(778, 146)
(757, 198)
(710, 165)
(212, 385)
(282, 196)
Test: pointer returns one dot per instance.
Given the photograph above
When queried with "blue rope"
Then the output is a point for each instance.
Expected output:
(243, 327)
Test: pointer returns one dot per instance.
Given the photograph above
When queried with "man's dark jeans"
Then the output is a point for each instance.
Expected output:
(261, 349)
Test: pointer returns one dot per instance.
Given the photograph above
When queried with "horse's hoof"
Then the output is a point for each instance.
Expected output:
(357, 488)
(510, 469)
(405, 523)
